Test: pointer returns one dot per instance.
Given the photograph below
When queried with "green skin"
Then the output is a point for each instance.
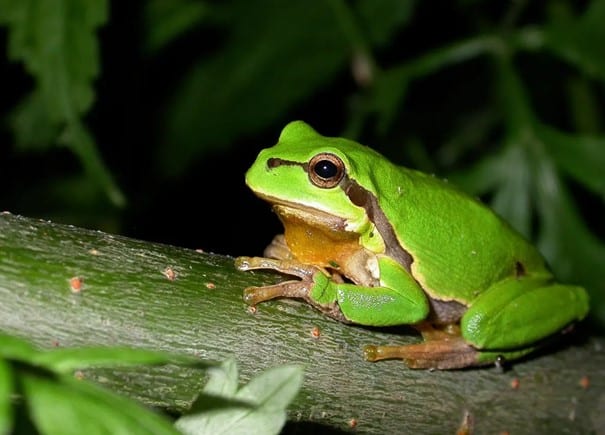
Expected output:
(419, 252)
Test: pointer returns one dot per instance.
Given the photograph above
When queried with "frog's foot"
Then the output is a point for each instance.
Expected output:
(440, 354)
(443, 348)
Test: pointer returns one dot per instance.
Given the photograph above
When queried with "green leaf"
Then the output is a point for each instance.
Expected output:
(79, 140)
(507, 176)
(77, 407)
(380, 17)
(15, 348)
(274, 56)
(267, 397)
(391, 85)
(66, 360)
(269, 61)
(512, 196)
(223, 379)
(205, 403)
(582, 157)
(579, 41)
(6, 390)
(219, 392)
(390, 90)
(584, 105)
(56, 42)
(574, 253)
(166, 20)
(256, 421)
(63, 404)
(480, 178)
(275, 388)
(33, 125)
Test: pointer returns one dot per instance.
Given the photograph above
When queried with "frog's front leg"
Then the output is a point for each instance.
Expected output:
(380, 305)
(313, 281)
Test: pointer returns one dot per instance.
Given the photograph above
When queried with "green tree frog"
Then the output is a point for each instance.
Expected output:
(376, 244)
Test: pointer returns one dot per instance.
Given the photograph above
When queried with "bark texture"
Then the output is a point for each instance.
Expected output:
(136, 293)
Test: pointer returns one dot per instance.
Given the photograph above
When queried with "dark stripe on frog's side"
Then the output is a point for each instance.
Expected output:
(441, 312)
(366, 199)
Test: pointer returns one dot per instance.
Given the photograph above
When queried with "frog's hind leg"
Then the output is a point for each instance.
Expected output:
(516, 314)
(508, 320)
(442, 349)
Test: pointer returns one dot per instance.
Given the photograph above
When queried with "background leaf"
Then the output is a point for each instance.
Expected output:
(224, 380)
(274, 388)
(581, 157)
(166, 20)
(55, 41)
(268, 396)
(58, 402)
(76, 407)
(251, 73)
(15, 348)
(69, 359)
(566, 242)
(6, 392)
(578, 40)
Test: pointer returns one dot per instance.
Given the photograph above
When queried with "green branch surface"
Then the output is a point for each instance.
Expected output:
(135, 293)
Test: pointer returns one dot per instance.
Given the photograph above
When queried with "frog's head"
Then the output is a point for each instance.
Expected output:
(319, 179)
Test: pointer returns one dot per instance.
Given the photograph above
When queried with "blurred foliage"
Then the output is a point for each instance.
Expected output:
(505, 98)
(257, 408)
(56, 42)
(46, 392)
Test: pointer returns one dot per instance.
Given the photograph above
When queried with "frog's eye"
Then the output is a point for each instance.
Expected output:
(326, 170)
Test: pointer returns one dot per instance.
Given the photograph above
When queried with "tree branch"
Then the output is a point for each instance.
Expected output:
(141, 294)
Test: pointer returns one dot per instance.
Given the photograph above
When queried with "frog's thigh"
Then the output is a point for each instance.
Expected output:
(399, 300)
(521, 311)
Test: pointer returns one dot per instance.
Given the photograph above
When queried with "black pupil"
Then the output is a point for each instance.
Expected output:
(325, 169)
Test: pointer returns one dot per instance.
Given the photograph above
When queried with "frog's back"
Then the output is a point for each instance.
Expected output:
(458, 245)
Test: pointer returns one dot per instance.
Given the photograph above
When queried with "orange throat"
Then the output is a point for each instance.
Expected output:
(317, 241)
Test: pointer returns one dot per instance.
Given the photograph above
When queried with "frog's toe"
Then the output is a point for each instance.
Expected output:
(242, 263)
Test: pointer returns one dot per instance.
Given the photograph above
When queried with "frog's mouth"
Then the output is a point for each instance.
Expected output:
(289, 211)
